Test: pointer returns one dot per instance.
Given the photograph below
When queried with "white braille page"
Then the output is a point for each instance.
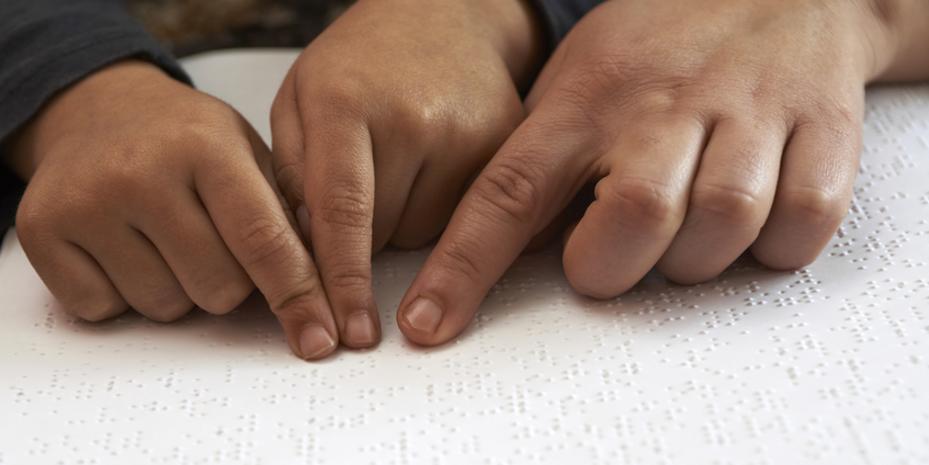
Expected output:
(827, 365)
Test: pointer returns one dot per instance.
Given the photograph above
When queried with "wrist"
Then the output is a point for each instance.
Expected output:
(25, 147)
(516, 35)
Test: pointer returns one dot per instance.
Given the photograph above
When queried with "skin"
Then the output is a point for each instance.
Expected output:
(704, 128)
(701, 142)
(382, 122)
(146, 194)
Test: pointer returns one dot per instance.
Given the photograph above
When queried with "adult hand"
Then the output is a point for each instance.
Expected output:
(707, 127)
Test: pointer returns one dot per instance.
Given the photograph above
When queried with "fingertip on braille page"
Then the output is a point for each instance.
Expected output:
(423, 315)
(315, 342)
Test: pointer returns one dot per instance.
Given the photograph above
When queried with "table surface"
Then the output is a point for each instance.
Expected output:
(829, 364)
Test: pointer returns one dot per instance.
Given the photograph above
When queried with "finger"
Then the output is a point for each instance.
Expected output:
(399, 171)
(565, 223)
(287, 144)
(813, 194)
(638, 209)
(444, 176)
(340, 198)
(252, 222)
(73, 277)
(520, 191)
(430, 205)
(729, 202)
(552, 69)
(137, 270)
(547, 235)
(181, 230)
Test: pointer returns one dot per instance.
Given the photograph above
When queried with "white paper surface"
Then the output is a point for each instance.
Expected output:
(825, 365)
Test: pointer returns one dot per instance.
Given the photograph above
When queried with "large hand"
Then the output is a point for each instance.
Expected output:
(145, 193)
(708, 127)
(381, 123)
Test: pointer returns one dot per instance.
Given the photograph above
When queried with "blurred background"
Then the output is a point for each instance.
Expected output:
(187, 27)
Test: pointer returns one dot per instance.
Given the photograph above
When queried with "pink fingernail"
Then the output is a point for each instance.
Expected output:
(315, 342)
(424, 315)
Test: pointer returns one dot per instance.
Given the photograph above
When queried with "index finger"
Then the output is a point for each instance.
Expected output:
(252, 221)
(531, 179)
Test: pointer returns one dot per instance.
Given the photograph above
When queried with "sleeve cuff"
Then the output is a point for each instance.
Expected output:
(559, 16)
(24, 93)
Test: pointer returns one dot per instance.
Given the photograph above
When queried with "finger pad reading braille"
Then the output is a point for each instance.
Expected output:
(824, 365)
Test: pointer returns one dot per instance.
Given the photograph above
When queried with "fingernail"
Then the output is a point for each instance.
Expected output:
(424, 315)
(303, 220)
(315, 342)
(360, 330)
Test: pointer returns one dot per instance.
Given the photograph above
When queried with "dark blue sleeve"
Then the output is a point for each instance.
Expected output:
(559, 16)
(46, 45)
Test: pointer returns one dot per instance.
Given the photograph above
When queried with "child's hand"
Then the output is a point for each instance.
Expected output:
(382, 122)
(145, 193)
(709, 127)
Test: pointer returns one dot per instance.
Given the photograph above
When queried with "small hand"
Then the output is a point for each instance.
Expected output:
(382, 122)
(145, 193)
(708, 128)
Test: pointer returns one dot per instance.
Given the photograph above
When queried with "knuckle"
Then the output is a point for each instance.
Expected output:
(602, 75)
(345, 278)
(118, 173)
(586, 286)
(511, 190)
(625, 79)
(265, 241)
(652, 98)
(220, 296)
(814, 206)
(457, 259)
(207, 114)
(421, 116)
(199, 137)
(129, 174)
(843, 116)
(489, 131)
(299, 303)
(345, 204)
(589, 280)
(95, 308)
(839, 121)
(730, 203)
(289, 177)
(784, 256)
(32, 220)
(164, 305)
(343, 98)
(639, 201)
